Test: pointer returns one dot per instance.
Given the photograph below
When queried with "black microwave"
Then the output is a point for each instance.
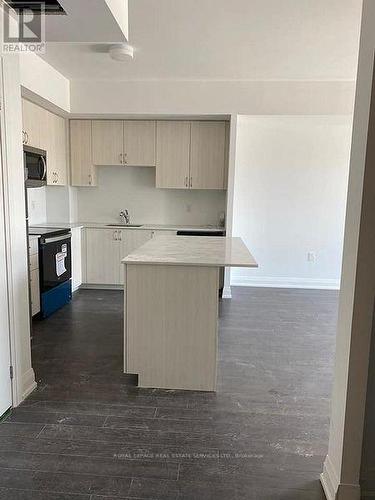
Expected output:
(35, 165)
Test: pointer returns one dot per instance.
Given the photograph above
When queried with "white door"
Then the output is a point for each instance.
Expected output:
(5, 382)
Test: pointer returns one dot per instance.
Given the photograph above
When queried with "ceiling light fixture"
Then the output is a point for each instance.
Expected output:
(121, 52)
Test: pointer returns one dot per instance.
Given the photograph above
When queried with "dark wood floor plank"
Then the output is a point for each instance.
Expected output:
(67, 483)
(12, 494)
(89, 433)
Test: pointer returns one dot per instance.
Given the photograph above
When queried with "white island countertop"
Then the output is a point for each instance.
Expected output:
(193, 251)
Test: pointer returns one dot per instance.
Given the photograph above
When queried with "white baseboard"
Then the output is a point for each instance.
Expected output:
(271, 282)
(227, 292)
(28, 383)
(333, 489)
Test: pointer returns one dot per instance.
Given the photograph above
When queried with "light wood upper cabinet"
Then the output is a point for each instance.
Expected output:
(172, 154)
(191, 155)
(107, 142)
(32, 118)
(139, 143)
(56, 150)
(207, 155)
(83, 172)
(45, 130)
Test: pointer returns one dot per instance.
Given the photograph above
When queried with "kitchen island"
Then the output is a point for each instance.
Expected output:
(171, 309)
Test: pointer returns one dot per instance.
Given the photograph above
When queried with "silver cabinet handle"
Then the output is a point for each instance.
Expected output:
(186, 181)
(126, 158)
(23, 137)
(115, 235)
(27, 137)
(121, 158)
(191, 182)
(120, 235)
(90, 179)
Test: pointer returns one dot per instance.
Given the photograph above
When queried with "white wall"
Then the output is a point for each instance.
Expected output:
(42, 80)
(134, 188)
(289, 198)
(212, 97)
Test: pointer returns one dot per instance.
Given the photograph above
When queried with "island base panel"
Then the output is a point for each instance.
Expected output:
(171, 326)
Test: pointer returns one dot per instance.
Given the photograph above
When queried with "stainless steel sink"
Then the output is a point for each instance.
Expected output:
(124, 225)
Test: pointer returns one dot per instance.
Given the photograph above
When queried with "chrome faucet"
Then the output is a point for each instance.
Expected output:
(124, 215)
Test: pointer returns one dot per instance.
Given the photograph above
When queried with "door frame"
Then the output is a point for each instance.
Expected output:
(23, 382)
(2, 201)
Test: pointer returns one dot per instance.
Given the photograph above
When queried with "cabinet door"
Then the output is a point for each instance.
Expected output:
(60, 150)
(48, 133)
(76, 258)
(107, 142)
(83, 172)
(207, 155)
(130, 240)
(55, 137)
(102, 256)
(172, 154)
(139, 143)
(31, 120)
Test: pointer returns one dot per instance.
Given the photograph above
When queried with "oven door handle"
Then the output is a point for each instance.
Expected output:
(56, 238)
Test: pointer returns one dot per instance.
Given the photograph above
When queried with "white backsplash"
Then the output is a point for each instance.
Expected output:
(37, 205)
(133, 188)
(125, 187)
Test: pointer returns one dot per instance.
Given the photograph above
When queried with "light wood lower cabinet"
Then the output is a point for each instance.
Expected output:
(76, 258)
(34, 275)
(102, 257)
(105, 248)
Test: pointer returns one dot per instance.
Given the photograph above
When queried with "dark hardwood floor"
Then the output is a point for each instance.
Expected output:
(86, 434)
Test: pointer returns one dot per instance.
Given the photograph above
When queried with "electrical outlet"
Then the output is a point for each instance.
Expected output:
(311, 256)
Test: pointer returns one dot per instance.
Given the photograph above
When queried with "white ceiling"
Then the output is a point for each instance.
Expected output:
(226, 39)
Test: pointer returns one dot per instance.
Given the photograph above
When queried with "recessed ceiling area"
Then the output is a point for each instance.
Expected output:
(222, 40)
(88, 21)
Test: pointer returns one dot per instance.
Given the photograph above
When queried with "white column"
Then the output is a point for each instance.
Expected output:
(341, 473)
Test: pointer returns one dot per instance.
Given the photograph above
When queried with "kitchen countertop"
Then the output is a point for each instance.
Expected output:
(150, 227)
(197, 251)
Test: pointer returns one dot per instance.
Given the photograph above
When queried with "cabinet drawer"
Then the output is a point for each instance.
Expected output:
(34, 262)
